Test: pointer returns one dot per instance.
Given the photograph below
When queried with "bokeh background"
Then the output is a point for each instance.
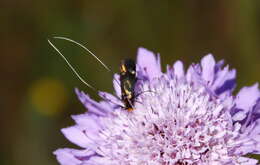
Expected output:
(37, 88)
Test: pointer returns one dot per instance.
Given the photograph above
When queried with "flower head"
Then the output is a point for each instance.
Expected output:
(179, 118)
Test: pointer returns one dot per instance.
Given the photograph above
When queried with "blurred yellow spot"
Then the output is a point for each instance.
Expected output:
(48, 96)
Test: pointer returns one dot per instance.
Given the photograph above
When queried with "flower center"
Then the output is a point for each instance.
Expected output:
(175, 123)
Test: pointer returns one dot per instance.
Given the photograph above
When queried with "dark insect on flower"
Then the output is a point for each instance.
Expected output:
(127, 76)
(127, 83)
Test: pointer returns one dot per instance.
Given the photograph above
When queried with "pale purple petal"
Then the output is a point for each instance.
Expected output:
(225, 81)
(208, 68)
(247, 97)
(88, 121)
(256, 111)
(116, 84)
(169, 71)
(245, 101)
(218, 81)
(111, 99)
(76, 136)
(189, 74)
(68, 156)
(247, 161)
(239, 115)
(148, 63)
(92, 106)
(178, 69)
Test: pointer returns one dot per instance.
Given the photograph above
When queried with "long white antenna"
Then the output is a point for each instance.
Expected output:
(75, 42)
(71, 67)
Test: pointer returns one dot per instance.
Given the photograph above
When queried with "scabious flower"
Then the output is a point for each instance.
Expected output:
(179, 118)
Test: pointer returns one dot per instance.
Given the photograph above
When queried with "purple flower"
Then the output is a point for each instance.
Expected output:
(180, 118)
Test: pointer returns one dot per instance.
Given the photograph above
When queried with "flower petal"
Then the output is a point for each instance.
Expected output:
(208, 65)
(68, 156)
(76, 136)
(116, 84)
(178, 69)
(92, 106)
(148, 63)
(247, 97)
(225, 81)
(247, 161)
(88, 121)
(256, 111)
(110, 99)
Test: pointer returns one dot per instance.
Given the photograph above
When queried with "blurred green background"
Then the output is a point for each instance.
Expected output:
(37, 88)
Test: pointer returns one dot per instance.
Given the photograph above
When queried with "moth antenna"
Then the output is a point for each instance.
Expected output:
(82, 46)
(71, 67)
